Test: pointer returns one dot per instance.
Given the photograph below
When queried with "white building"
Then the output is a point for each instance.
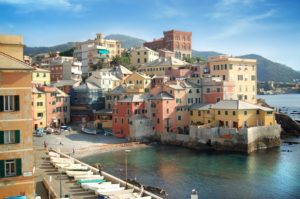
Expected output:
(142, 55)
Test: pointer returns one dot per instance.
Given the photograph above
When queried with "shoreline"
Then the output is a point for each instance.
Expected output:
(99, 149)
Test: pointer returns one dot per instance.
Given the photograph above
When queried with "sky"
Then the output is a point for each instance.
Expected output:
(270, 28)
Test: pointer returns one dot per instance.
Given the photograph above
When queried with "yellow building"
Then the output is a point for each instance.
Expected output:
(142, 55)
(240, 71)
(39, 109)
(161, 66)
(16, 148)
(233, 114)
(41, 76)
(138, 83)
(201, 114)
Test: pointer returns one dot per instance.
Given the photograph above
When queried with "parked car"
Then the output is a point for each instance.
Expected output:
(49, 130)
(39, 132)
(66, 128)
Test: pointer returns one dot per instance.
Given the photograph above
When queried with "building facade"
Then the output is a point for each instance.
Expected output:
(142, 55)
(179, 42)
(41, 76)
(16, 147)
(242, 72)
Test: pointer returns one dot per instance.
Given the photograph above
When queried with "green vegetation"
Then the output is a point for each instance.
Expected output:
(68, 53)
(124, 60)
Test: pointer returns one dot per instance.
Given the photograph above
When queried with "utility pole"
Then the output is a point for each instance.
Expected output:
(126, 152)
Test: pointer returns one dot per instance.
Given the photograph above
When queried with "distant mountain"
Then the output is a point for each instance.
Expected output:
(268, 70)
(127, 41)
(204, 54)
(37, 50)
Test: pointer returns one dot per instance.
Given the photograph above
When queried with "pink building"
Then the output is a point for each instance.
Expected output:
(57, 106)
(215, 90)
(158, 80)
(181, 72)
(123, 110)
(163, 112)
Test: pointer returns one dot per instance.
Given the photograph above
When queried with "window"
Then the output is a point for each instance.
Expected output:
(240, 77)
(257, 112)
(191, 113)
(199, 113)
(230, 66)
(138, 53)
(40, 115)
(145, 60)
(224, 77)
(138, 60)
(39, 103)
(218, 99)
(9, 103)
(179, 117)
(58, 109)
(9, 137)
(208, 90)
(37, 75)
(39, 95)
(233, 112)
(218, 90)
(253, 77)
(226, 112)
(10, 167)
(167, 111)
(245, 112)
(219, 112)
(157, 120)
(65, 108)
(197, 91)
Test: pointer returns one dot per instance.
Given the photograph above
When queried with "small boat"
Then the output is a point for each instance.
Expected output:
(89, 181)
(89, 131)
(53, 154)
(127, 196)
(109, 194)
(108, 190)
(95, 186)
(74, 173)
(74, 167)
(62, 165)
(90, 177)
(61, 160)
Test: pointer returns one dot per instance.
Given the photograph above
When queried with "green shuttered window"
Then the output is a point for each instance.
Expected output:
(10, 137)
(9, 103)
(10, 168)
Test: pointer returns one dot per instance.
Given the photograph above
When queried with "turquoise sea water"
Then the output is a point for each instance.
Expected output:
(288, 103)
(271, 173)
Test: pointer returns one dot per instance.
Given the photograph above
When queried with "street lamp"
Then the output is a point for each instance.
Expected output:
(126, 152)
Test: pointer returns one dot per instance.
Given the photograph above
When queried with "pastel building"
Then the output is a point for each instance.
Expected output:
(16, 147)
(160, 66)
(123, 110)
(57, 106)
(232, 114)
(138, 83)
(240, 71)
(41, 76)
(179, 42)
(39, 108)
(142, 55)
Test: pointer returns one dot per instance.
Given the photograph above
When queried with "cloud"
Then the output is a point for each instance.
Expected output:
(33, 5)
(168, 9)
(244, 24)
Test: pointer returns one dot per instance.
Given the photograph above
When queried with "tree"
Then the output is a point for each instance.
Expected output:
(116, 61)
(68, 53)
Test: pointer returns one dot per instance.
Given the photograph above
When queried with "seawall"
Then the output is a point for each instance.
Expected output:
(244, 140)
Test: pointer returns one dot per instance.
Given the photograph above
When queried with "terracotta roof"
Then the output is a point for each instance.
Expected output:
(8, 62)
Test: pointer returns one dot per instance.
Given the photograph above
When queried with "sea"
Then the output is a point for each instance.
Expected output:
(271, 173)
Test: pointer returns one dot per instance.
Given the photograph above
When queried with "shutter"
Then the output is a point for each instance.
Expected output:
(17, 103)
(17, 136)
(19, 166)
(1, 137)
(1, 103)
(2, 174)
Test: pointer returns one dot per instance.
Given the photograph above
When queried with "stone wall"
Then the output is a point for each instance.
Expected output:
(227, 139)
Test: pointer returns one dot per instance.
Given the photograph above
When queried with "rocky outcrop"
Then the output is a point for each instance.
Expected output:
(288, 125)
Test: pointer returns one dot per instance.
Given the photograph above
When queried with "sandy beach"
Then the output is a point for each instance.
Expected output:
(84, 144)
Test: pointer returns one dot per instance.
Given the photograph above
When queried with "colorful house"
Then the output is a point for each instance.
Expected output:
(39, 108)
(41, 76)
(103, 119)
(138, 83)
(123, 110)
(57, 106)
(16, 148)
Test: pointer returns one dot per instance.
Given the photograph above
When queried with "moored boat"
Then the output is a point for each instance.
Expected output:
(74, 173)
(102, 191)
(81, 177)
(90, 181)
(89, 131)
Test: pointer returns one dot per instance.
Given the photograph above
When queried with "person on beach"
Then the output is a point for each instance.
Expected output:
(100, 168)
(45, 145)
(73, 151)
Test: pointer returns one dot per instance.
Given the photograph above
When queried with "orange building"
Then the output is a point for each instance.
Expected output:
(16, 148)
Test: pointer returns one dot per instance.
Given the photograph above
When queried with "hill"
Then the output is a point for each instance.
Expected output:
(268, 70)
(204, 54)
(37, 50)
(127, 41)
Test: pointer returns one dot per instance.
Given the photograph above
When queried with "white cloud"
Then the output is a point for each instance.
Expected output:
(32, 5)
